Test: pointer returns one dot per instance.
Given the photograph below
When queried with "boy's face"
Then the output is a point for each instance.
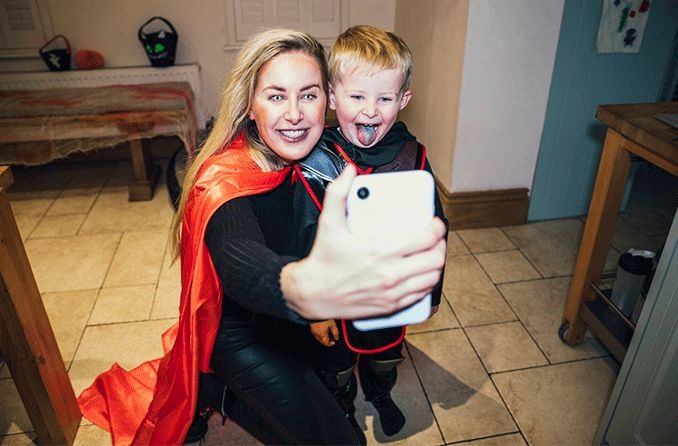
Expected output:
(367, 104)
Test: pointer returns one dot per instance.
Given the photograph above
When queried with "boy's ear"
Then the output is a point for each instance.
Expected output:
(405, 99)
(332, 103)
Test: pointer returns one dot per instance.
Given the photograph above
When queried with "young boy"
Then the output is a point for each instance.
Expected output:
(370, 73)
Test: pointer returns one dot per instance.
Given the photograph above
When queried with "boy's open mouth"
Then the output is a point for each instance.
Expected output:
(367, 133)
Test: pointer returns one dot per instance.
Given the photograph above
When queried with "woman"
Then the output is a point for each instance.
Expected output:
(232, 216)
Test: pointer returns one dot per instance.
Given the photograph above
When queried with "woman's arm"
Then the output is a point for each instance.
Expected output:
(344, 277)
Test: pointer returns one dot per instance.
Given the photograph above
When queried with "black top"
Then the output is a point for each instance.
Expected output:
(247, 238)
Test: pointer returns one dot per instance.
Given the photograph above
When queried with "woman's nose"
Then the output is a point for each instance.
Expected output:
(293, 113)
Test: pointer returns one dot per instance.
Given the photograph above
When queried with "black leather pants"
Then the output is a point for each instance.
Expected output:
(280, 398)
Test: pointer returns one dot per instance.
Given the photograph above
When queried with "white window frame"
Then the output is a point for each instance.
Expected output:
(234, 39)
(44, 31)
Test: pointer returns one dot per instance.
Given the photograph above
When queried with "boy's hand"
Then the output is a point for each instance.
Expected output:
(325, 332)
(434, 310)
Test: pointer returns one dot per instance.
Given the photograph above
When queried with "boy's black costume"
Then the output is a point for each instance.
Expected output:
(398, 150)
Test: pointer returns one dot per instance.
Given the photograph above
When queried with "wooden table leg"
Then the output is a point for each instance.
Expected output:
(28, 343)
(607, 195)
(145, 173)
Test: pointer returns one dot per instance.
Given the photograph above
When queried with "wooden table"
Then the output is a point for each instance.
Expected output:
(632, 129)
(38, 126)
(26, 338)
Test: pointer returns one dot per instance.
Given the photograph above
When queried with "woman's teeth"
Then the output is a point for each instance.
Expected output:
(292, 134)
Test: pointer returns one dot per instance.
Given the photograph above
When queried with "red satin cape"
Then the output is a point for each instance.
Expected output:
(155, 402)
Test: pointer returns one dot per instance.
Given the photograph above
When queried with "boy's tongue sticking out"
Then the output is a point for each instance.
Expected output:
(366, 134)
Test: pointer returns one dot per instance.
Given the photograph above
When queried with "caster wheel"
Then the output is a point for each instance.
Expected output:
(562, 331)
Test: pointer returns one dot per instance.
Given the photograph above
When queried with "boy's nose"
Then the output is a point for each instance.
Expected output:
(370, 110)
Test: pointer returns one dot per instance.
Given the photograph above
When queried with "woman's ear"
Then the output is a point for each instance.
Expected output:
(332, 104)
(405, 99)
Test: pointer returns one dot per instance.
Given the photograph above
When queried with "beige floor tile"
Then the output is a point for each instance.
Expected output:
(228, 434)
(505, 346)
(74, 201)
(26, 224)
(13, 416)
(455, 246)
(128, 344)
(420, 427)
(71, 263)
(551, 246)
(474, 299)
(68, 312)
(138, 259)
(539, 305)
(35, 206)
(501, 440)
(92, 435)
(112, 212)
(507, 266)
(27, 439)
(58, 226)
(168, 292)
(122, 304)
(461, 393)
(486, 240)
(443, 319)
(559, 404)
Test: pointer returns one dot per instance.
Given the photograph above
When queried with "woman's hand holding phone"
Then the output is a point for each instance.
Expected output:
(349, 277)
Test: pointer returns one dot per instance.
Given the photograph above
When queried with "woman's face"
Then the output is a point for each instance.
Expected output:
(289, 104)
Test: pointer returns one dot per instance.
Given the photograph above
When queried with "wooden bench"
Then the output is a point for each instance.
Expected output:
(38, 126)
(26, 338)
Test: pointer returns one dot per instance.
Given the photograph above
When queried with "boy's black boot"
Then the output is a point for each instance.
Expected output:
(377, 380)
(390, 416)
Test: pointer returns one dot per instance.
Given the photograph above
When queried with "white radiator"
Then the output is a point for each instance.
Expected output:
(109, 76)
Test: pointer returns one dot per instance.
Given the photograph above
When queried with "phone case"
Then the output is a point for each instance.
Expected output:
(387, 204)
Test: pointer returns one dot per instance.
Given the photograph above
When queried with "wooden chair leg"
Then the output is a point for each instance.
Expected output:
(28, 342)
(607, 195)
(145, 173)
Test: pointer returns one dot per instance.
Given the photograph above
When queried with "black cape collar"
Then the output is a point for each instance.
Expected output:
(384, 152)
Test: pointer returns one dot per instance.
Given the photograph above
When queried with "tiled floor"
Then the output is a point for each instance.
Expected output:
(489, 369)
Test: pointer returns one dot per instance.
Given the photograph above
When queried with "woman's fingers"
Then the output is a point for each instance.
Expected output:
(334, 204)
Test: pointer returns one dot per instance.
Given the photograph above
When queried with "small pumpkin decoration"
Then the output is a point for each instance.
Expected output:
(89, 59)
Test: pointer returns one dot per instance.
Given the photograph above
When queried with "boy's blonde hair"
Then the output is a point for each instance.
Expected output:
(369, 49)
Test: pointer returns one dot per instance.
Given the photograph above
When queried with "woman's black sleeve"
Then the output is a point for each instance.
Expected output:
(248, 270)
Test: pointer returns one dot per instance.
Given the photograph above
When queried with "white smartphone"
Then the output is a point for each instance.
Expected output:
(388, 204)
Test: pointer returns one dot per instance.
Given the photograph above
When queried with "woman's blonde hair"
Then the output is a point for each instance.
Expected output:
(236, 102)
(370, 49)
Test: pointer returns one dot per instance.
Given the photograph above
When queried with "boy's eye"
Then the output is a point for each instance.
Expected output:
(385, 99)
(275, 98)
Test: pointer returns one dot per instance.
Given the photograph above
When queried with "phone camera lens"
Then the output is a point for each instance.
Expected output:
(363, 193)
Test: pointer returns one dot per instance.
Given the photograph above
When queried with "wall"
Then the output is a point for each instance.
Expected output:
(572, 139)
(111, 28)
(510, 50)
(435, 31)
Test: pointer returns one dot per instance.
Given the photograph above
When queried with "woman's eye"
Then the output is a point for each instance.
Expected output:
(356, 97)
(275, 98)
(308, 97)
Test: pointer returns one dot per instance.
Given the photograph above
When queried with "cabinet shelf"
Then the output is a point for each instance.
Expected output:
(606, 321)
